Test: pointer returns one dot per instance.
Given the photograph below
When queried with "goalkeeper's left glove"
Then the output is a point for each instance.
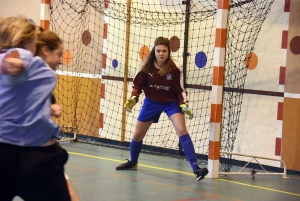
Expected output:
(187, 111)
(130, 103)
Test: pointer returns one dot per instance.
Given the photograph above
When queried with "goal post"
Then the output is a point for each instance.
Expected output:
(101, 57)
(217, 89)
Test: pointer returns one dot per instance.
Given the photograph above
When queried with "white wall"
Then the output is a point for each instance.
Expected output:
(29, 8)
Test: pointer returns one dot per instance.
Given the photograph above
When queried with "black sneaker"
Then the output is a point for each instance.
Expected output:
(200, 173)
(127, 166)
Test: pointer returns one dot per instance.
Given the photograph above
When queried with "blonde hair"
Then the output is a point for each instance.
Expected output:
(150, 59)
(14, 31)
(48, 39)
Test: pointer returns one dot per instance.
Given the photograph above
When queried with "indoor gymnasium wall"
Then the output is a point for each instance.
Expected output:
(291, 104)
(28, 8)
(269, 117)
(258, 126)
(258, 118)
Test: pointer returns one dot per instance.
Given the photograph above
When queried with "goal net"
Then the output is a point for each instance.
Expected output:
(105, 42)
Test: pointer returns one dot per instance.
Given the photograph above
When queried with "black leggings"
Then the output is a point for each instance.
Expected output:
(33, 173)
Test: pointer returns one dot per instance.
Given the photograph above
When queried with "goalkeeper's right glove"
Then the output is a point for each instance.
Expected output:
(130, 103)
(187, 111)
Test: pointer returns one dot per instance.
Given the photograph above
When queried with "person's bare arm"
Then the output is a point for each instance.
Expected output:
(72, 192)
(12, 66)
(56, 110)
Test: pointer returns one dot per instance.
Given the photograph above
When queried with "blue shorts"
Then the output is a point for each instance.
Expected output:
(151, 110)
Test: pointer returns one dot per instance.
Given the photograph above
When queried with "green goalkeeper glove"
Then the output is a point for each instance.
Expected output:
(187, 111)
(130, 103)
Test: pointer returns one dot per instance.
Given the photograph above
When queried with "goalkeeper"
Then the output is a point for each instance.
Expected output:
(161, 80)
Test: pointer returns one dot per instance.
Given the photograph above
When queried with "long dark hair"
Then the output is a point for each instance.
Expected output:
(150, 59)
(47, 38)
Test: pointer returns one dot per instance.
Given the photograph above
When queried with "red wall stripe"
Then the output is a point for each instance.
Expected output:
(287, 6)
(102, 90)
(278, 147)
(284, 40)
(105, 30)
(106, 2)
(104, 61)
(280, 111)
(101, 120)
(282, 75)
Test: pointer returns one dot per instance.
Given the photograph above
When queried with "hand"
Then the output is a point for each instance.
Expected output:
(187, 111)
(130, 103)
(56, 110)
(13, 66)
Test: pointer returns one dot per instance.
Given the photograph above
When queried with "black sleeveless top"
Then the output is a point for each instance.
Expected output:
(53, 100)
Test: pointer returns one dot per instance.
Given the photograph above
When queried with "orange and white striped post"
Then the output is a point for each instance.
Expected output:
(217, 89)
(45, 14)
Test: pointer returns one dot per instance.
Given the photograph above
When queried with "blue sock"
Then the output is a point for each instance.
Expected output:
(135, 149)
(189, 150)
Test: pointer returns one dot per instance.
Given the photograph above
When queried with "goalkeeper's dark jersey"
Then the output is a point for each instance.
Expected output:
(160, 88)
